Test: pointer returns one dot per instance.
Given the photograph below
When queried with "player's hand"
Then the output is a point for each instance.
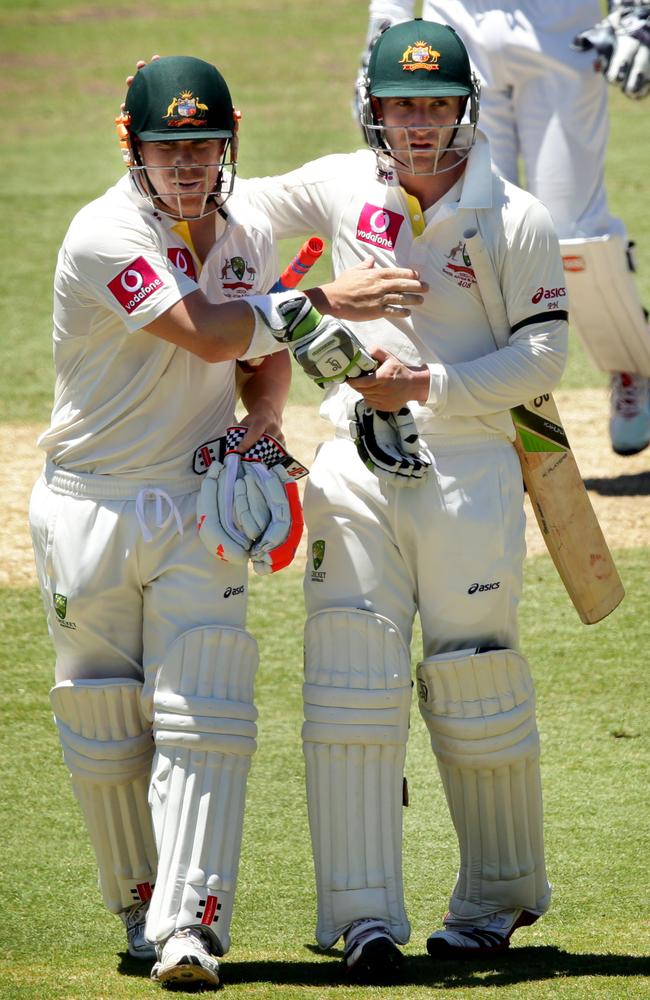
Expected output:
(621, 43)
(393, 383)
(367, 292)
(141, 63)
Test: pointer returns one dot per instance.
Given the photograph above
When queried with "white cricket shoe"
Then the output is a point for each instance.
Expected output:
(480, 936)
(134, 919)
(371, 954)
(186, 960)
(629, 421)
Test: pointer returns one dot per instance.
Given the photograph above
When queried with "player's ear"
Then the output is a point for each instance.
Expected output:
(375, 103)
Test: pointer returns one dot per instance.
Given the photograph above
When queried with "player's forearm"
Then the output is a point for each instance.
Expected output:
(213, 332)
(268, 385)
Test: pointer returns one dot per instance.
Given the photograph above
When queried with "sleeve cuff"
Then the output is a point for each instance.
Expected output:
(437, 398)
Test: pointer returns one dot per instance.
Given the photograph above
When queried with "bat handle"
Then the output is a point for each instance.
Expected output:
(306, 257)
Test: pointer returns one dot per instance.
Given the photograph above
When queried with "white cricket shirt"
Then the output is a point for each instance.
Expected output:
(127, 403)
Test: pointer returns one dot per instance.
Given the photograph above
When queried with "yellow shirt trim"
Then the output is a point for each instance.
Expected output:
(416, 214)
(182, 229)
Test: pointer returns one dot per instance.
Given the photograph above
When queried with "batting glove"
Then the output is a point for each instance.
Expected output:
(326, 349)
(388, 444)
(622, 44)
(248, 505)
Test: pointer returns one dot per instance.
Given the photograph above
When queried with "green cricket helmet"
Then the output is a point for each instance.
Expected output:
(179, 98)
(418, 59)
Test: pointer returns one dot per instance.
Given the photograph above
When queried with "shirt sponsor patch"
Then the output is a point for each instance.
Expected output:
(378, 226)
(182, 259)
(134, 284)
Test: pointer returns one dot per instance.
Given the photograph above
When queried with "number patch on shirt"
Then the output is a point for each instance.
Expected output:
(134, 284)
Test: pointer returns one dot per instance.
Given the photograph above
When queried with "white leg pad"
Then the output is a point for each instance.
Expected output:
(357, 695)
(108, 748)
(604, 305)
(479, 709)
(205, 731)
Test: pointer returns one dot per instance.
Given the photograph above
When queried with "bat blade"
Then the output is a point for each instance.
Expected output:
(564, 513)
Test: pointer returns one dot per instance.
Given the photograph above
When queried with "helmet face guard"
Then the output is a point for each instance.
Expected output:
(180, 99)
(418, 59)
(167, 198)
(401, 155)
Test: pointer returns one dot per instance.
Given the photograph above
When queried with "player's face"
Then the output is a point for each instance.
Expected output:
(418, 130)
(183, 173)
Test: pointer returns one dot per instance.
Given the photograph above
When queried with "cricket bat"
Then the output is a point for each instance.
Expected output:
(562, 507)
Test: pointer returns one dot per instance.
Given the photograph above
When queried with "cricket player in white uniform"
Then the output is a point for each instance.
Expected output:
(541, 101)
(160, 286)
(446, 543)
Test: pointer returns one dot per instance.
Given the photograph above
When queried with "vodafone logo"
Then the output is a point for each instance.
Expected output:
(134, 284)
(378, 226)
(182, 259)
(548, 293)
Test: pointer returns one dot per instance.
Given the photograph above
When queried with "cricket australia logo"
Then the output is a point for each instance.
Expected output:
(317, 556)
(61, 609)
(186, 109)
(237, 276)
(462, 274)
(420, 56)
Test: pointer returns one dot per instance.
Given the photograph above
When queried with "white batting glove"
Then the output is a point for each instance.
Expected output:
(326, 349)
(248, 505)
(622, 44)
(388, 444)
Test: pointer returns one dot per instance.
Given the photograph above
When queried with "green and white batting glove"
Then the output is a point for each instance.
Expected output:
(326, 349)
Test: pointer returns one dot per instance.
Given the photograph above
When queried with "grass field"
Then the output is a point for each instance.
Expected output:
(291, 66)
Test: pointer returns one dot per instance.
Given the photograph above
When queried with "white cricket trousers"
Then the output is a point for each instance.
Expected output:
(130, 574)
(450, 548)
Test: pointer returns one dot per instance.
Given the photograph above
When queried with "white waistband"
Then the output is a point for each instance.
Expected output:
(94, 487)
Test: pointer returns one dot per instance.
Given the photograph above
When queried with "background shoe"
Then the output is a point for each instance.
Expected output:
(483, 936)
(186, 959)
(629, 422)
(134, 920)
(371, 955)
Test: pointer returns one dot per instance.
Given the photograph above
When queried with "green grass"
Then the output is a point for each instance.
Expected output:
(60, 943)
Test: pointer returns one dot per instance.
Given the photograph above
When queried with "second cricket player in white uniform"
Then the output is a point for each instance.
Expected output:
(449, 545)
(159, 287)
(543, 102)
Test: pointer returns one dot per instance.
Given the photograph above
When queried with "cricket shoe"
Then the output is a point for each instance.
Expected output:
(629, 421)
(480, 936)
(186, 961)
(134, 919)
(371, 955)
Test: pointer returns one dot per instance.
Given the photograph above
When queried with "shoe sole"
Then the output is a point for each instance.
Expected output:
(439, 948)
(380, 962)
(185, 973)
